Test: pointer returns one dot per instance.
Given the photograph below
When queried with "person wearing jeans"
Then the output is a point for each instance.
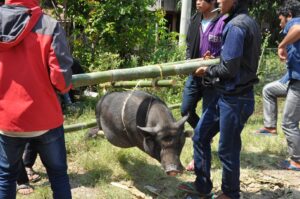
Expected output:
(233, 79)
(27, 174)
(35, 65)
(204, 39)
(228, 118)
(52, 151)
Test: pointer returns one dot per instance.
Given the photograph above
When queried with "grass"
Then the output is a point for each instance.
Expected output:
(95, 163)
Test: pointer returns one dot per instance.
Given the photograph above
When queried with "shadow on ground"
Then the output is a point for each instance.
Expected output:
(145, 174)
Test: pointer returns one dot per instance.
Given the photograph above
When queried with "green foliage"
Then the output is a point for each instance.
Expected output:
(113, 28)
(113, 34)
(266, 15)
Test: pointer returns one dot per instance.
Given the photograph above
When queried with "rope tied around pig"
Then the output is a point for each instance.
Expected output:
(124, 106)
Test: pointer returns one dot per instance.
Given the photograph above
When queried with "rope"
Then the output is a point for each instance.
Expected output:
(160, 71)
(149, 108)
(124, 105)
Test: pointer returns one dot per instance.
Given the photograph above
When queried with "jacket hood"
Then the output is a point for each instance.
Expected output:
(16, 22)
(26, 3)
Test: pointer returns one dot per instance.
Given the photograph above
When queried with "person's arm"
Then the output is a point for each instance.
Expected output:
(292, 36)
(60, 61)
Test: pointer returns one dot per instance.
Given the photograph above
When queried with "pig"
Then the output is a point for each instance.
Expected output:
(139, 119)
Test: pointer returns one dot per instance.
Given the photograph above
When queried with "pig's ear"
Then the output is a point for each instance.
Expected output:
(148, 144)
(148, 131)
(182, 121)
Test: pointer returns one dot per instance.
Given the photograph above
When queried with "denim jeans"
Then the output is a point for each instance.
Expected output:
(226, 114)
(52, 151)
(271, 92)
(29, 157)
(22, 177)
(192, 94)
(291, 118)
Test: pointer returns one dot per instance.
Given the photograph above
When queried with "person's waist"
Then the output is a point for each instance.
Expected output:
(293, 81)
(237, 92)
(23, 134)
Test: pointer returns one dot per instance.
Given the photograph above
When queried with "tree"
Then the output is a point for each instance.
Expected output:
(125, 28)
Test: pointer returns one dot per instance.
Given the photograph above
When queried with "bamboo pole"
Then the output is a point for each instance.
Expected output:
(151, 71)
(80, 126)
(144, 83)
(174, 106)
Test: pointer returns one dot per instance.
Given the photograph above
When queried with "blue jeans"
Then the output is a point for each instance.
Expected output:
(52, 151)
(226, 114)
(192, 94)
(29, 157)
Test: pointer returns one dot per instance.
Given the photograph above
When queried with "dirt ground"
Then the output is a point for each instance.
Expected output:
(265, 184)
(269, 184)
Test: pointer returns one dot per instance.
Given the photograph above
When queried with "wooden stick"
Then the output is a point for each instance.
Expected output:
(134, 191)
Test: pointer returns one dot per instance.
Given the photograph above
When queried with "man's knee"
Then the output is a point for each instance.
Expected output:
(267, 90)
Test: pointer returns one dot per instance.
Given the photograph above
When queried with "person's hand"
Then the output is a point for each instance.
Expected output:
(200, 71)
(207, 55)
(282, 53)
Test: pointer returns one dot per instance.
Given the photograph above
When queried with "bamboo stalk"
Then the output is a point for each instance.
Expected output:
(151, 71)
(174, 106)
(79, 126)
(145, 83)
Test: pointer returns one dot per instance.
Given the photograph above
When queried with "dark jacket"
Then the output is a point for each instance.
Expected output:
(239, 56)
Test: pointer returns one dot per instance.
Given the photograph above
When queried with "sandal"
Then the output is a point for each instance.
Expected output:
(290, 165)
(190, 166)
(32, 175)
(190, 188)
(25, 189)
(266, 132)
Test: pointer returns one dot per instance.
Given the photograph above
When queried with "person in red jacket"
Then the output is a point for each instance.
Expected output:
(35, 65)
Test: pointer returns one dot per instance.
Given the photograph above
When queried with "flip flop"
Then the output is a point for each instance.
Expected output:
(25, 189)
(290, 165)
(265, 132)
(32, 175)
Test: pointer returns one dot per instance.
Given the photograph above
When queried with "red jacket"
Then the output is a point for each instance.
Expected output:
(35, 64)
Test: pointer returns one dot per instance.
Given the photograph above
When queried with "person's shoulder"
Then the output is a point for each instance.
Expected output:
(195, 17)
(48, 18)
(241, 18)
(244, 21)
(290, 23)
(46, 24)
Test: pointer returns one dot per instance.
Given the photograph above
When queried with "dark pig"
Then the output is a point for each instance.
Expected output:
(137, 118)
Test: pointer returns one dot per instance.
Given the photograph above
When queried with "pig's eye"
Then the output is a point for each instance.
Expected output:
(167, 139)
